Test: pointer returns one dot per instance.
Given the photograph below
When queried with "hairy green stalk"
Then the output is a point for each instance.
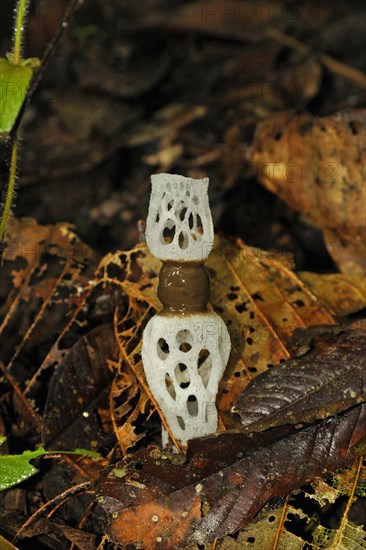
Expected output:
(10, 190)
(20, 17)
(21, 13)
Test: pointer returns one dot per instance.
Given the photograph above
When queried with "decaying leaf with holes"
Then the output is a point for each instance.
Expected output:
(260, 298)
(226, 479)
(129, 405)
(44, 274)
(317, 166)
(250, 288)
(322, 382)
(124, 272)
(328, 514)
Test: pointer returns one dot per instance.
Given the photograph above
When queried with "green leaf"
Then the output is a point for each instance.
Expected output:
(17, 468)
(33, 62)
(14, 82)
(2, 439)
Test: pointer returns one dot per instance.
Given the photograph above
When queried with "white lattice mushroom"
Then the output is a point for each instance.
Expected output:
(179, 225)
(185, 347)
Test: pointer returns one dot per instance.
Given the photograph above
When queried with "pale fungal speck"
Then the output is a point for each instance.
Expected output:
(155, 519)
(184, 514)
(199, 488)
(158, 539)
(85, 414)
(115, 515)
(100, 499)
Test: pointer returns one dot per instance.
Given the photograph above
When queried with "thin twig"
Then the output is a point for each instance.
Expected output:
(10, 187)
(18, 391)
(69, 492)
(102, 542)
(335, 66)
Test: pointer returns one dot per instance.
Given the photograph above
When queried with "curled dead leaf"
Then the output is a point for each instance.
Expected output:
(317, 166)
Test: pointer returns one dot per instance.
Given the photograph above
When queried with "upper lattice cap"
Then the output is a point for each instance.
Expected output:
(179, 224)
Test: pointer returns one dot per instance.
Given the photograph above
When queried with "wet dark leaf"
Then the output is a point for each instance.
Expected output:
(79, 387)
(324, 381)
(220, 494)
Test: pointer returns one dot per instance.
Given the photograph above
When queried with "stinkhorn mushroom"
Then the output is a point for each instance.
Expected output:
(186, 346)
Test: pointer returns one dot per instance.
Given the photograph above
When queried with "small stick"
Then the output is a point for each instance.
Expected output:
(335, 66)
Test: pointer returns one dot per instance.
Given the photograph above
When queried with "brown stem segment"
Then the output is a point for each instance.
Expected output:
(184, 287)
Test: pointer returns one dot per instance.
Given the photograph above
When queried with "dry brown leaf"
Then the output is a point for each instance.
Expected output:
(260, 299)
(343, 293)
(317, 166)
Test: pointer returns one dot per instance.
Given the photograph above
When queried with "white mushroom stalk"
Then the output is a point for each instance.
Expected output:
(185, 347)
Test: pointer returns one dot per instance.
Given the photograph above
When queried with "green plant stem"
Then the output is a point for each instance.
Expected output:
(10, 190)
(19, 29)
(21, 13)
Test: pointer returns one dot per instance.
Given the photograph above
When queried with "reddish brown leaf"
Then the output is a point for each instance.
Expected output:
(79, 387)
(146, 532)
(324, 381)
(233, 475)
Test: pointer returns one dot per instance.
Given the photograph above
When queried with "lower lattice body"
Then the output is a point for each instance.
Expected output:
(184, 359)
